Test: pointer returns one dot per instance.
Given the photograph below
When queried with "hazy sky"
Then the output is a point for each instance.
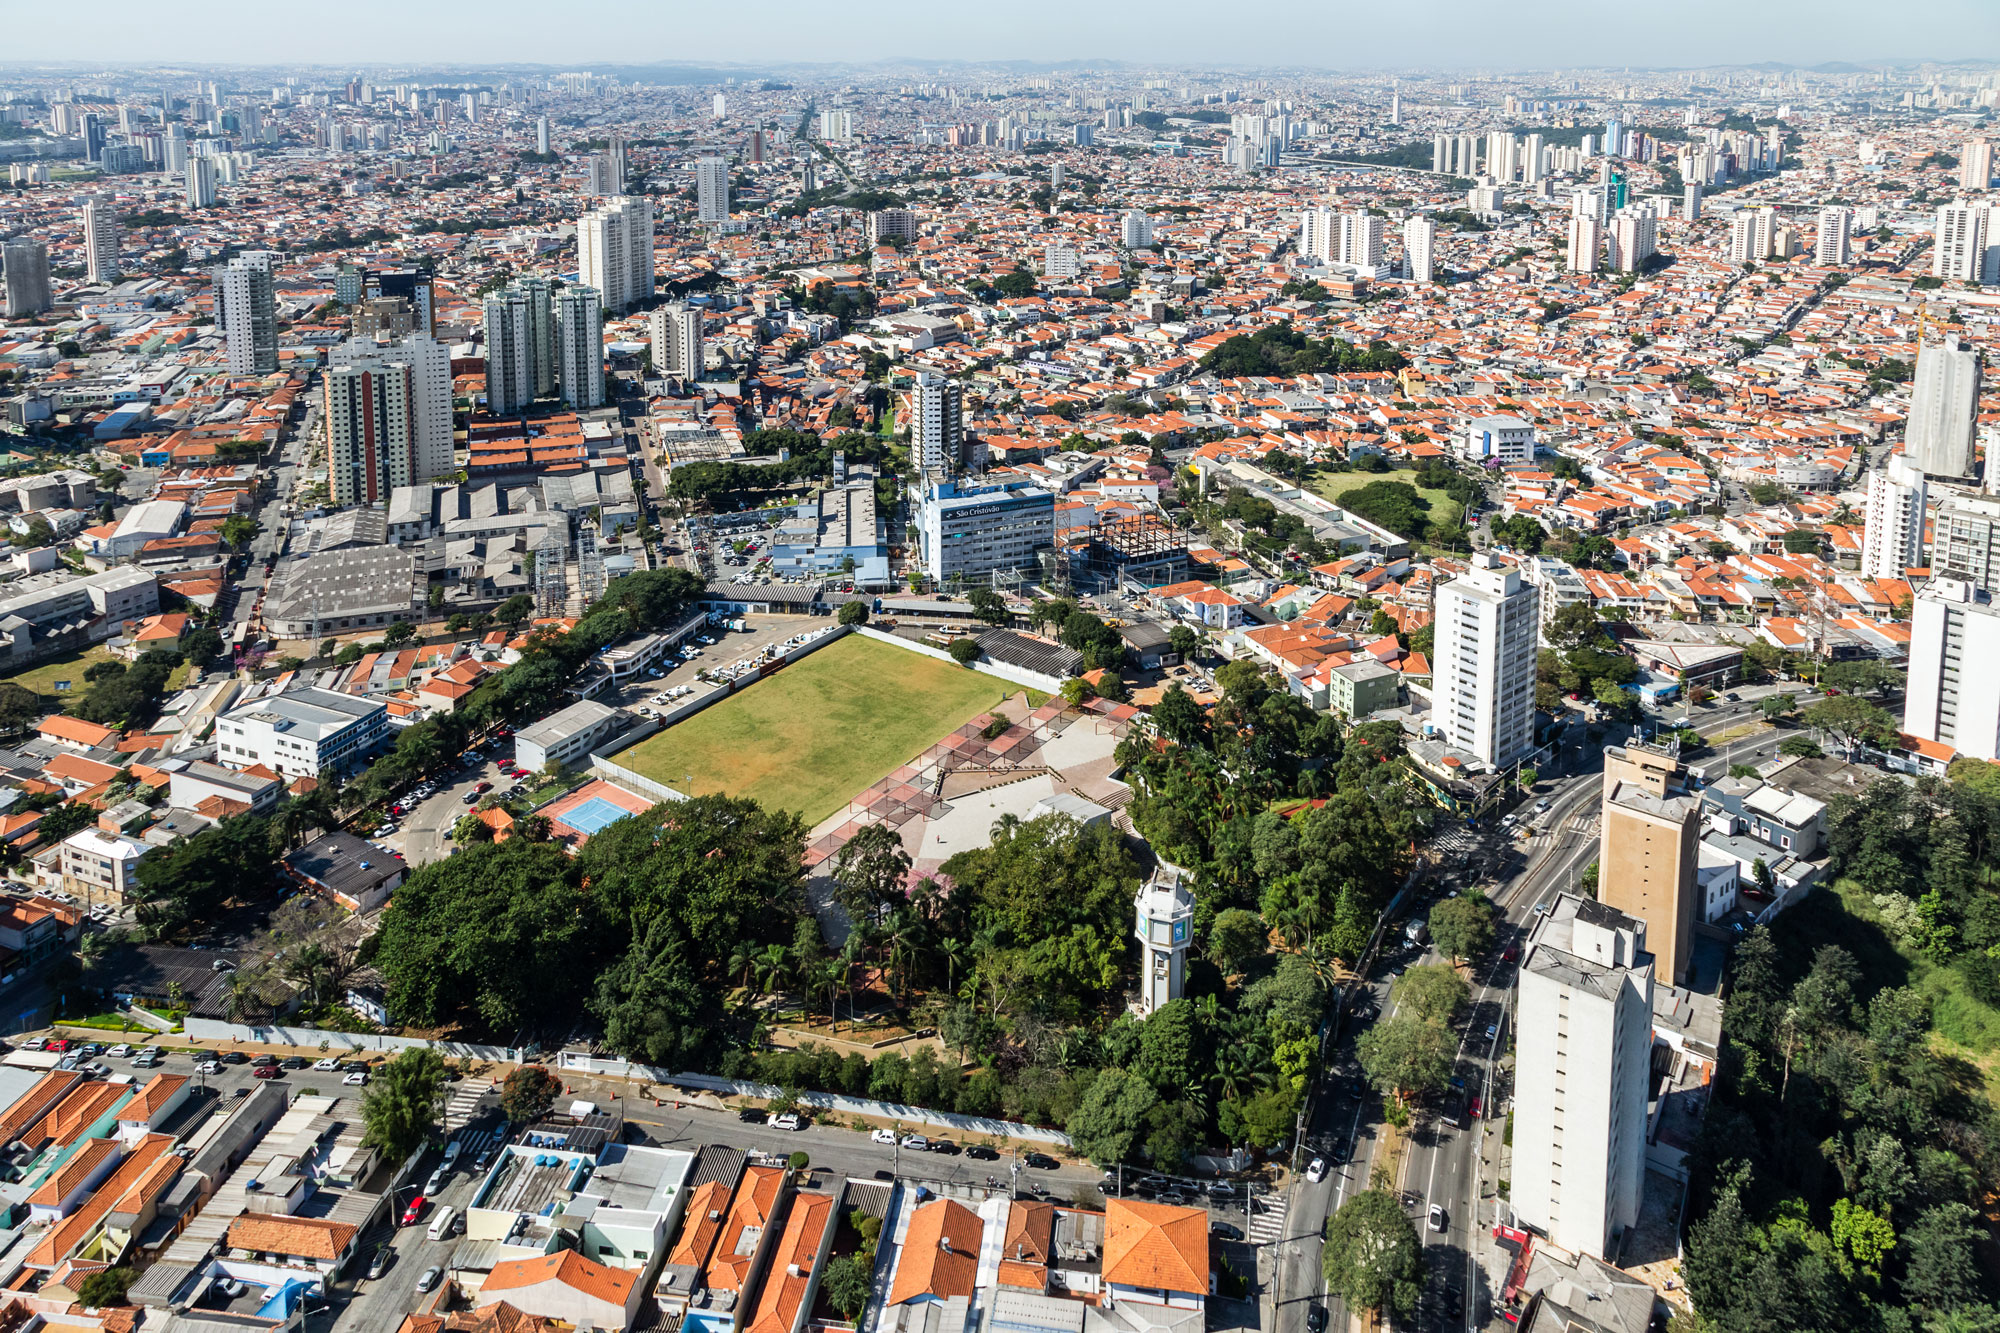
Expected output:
(1342, 34)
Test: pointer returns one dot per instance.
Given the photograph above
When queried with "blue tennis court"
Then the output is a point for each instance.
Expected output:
(594, 816)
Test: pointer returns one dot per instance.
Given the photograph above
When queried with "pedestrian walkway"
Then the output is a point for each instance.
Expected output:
(464, 1102)
(480, 1141)
(1268, 1227)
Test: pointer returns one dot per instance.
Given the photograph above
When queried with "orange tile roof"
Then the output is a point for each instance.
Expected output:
(74, 729)
(756, 1201)
(703, 1220)
(68, 1177)
(306, 1237)
(792, 1264)
(612, 1285)
(1155, 1245)
(940, 1253)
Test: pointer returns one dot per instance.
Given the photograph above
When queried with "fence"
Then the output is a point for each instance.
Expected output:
(580, 1063)
(1008, 672)
(209, 1029)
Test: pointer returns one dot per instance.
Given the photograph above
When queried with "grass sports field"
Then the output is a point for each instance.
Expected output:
(69, 667)
(1333, 485)
(824, 728)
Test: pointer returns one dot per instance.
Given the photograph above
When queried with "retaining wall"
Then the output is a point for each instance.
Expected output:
(1013, 675)
(209, 1029)
(820, 1101)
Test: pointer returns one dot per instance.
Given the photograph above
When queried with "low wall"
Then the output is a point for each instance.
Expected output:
(1013, 675)
(209, 1029)
(820, 1101)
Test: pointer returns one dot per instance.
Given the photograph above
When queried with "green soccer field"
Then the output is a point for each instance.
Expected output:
(822, 730)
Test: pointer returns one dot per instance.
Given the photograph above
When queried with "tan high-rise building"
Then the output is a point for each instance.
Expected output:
(1648, 852)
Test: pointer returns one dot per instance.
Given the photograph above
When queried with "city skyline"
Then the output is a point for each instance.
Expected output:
(1459, 34)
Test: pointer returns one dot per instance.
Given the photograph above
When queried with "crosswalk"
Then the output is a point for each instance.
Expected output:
(464, 1103)
(479, 1141)
(1453, 838)
(1268, 1228)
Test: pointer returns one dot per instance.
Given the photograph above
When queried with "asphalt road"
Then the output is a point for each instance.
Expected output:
(1443, 1165)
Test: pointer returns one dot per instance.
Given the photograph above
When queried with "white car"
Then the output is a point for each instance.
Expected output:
(916, 1143)
(209, 1067)
(1316, 1170)
(327, 1065)
(119, 1052)
(789, 1120)
(887, 1136)
(356, 1080)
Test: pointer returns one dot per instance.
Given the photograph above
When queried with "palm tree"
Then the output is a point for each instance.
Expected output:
(955, 953)
(773, 966)
(1003, 827)
(743, 962)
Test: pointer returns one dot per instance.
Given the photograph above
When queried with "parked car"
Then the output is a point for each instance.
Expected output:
(380, 1263)
(415, 1212)
(945, 1146)
(327, 1065)
(916, 1143)
(887, 1136)
(979, 1152)
(120, 1051)
(267, 1071)
(294, 1062)
(234, 1058)
(750, 1115)
(789, 1120)
(1316, 1170)
(429, 1281)
(208, 1067)
(260, 1061)
(1041, 1161)
(356, 1080)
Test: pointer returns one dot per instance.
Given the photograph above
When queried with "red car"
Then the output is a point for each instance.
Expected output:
(482, 787)
(1475, 1108)
(57, 1044)
(1510, 953)
(415, 1212)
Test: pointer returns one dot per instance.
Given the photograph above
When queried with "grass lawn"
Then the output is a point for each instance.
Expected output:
(1443, 509)
(70, 667)
(821, 730)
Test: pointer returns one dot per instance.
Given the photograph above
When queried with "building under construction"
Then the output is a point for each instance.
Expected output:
(1134, 552)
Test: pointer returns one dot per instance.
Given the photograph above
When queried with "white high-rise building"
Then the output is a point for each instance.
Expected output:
(1583, 1057)
(388, 412)
(677, 341)
(614, 244)
(1361, 239)
(1965, 540)
(1743, 237)
(1944, 409)
(721, 105)
(1960, 250)
(1319, 235)
(1586, 242)
(1691, 201)
(1634, 238)
(580, 347)
(1136, 232)
(1060, 262)
(200, 184)
(542, 135)
(937, 426)
(510, 371)
(836, 125)
(711, 184)
(1483, 682)
(1953, 695)
(1419, 243)
(102, 232)
(1590, 201)
(1831, 244)
(1975, 165)
(1893, 538)
(246, 309)
(1533, 157)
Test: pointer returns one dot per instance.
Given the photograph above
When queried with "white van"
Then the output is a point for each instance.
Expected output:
(441, 1223)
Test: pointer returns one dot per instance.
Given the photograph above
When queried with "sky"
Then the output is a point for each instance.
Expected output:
(1474, 35)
